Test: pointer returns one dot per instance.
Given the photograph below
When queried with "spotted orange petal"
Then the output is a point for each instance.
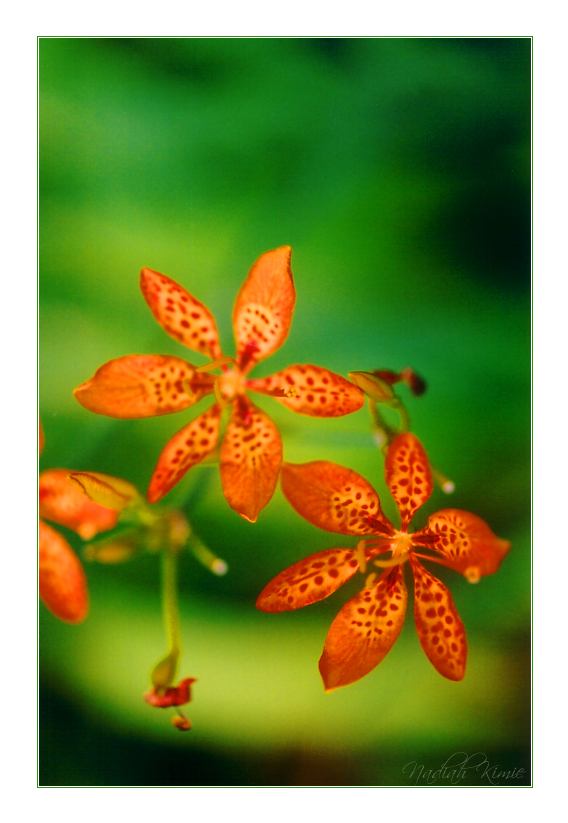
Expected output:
(311, 390)
(251, 455)
(467, 543)
(263, 309)
(310, 580)
(143, 385)
(333, 498)
(438, 624)
(408, 475)
(182, 316)
(62, 581)
(187, 448)
(364, 631)
(61, 501)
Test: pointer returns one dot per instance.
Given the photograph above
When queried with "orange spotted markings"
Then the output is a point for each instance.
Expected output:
(339, 500)
(137, 386)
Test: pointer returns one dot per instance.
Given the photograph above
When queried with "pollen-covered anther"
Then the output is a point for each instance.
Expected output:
(291, 391)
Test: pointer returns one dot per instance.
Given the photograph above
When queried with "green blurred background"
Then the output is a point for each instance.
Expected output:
(398, 169)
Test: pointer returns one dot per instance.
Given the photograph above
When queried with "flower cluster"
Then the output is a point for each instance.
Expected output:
(248, 447)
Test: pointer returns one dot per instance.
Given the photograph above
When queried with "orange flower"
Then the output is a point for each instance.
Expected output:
(339, 500)
(147, 385)
(62, 581)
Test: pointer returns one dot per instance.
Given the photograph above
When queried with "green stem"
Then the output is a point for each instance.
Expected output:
(404, 417)
(164, 671)
(170, 603)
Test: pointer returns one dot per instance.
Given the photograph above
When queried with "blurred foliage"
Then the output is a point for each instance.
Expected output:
(398, 169)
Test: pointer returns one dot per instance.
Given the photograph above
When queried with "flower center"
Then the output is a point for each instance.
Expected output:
(231, 384)
(401, 544)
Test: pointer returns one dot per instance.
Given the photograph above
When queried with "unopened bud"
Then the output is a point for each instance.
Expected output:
(374, 387)
(112, 492)
(114, 550)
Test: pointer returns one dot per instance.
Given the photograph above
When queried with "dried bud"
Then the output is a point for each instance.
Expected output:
(172, 696)
(181, 723)
(388, 376)
(415, 383)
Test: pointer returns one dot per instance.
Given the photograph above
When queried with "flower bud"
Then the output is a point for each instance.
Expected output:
(112, 492)
(374, 387)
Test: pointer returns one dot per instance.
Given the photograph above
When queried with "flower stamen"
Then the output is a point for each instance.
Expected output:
(186, 386)
(361, 556)
(215, 364)
(370, 580)
(222, 401)
(394, 561)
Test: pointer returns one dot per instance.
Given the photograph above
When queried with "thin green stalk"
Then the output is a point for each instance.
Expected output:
(170, 602)
(164, 671)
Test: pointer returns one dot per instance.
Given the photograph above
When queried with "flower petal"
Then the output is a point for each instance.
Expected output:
(62, 581)
(182, 316)
(187, 448)
(467, 543)
(61, 501)
(251, 455)
(332, 497)
(310, 580)
(263, 309)
(438, 624)
(143, 385)
(311, 390)
(408, 475)
(364, 631)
